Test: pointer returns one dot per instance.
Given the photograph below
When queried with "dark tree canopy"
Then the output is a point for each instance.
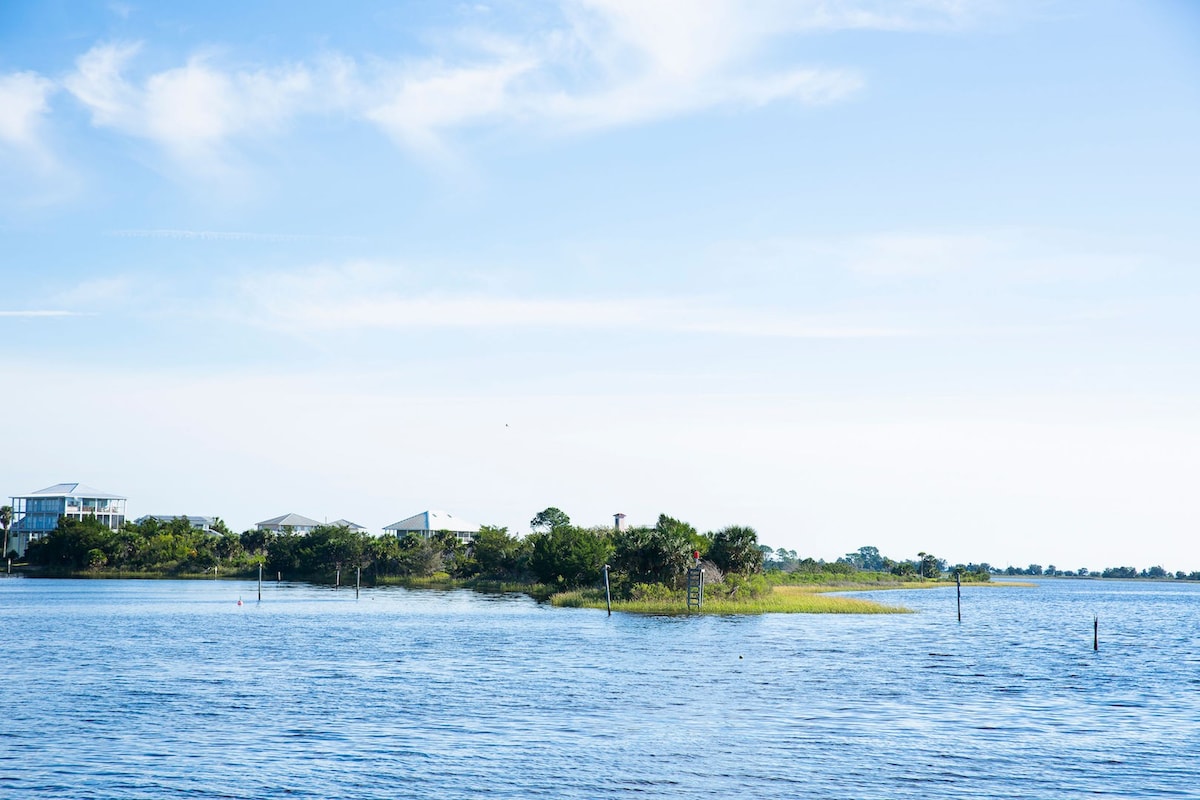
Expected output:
(548, 520)
(735, 549)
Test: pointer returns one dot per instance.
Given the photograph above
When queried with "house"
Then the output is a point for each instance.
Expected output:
(199, 523)
(345, 523)
(293, 522)
(427, 523)
(36, 514)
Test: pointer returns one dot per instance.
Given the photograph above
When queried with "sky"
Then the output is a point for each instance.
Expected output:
(915, 275)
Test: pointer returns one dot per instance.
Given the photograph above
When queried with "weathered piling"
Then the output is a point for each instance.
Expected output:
(260, 583)
(337, 579)
(607, 592)
(357, 580)
(958, 589)
(1096, 632)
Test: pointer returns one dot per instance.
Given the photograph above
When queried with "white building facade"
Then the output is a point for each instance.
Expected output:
(36, 514)
(427, 523)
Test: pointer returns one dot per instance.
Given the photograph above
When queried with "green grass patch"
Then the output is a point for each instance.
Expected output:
(779, 600)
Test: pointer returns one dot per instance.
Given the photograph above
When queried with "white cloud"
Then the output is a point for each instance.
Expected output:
(191, 111)
(38, 313)
(372, 297)
(434, 98)
(230, 236)
(607, 63)
(23, 105)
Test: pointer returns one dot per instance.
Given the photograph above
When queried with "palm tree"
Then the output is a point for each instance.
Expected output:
(6, 515)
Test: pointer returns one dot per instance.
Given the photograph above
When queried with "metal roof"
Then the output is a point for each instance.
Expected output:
(292, 520)
(434, 521)
(74, 490)
(345, 523)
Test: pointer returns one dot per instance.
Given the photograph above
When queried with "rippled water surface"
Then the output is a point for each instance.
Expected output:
(169, 689)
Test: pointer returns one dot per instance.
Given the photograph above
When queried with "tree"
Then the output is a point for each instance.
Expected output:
(866, 559)
(929, 566)
(656, 555)
(496, 554)
(735, 549)
(567, 556)
(548, 520)
(6, 516)
(257, 541)
(69, 545)
(418, 556)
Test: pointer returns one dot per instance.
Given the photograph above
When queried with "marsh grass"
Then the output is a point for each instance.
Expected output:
(780, 600)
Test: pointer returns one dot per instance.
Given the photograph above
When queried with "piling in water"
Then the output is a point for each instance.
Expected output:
(260, 583)
(357, 580)
(607, 593)
(1096, 633)
(958, 588)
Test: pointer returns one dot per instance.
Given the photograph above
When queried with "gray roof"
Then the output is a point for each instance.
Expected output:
(434, 521)
(291, 520)
(345, 523)
(75, 490)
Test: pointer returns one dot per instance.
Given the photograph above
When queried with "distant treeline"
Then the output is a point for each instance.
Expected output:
(557, 554)
(1157, 573)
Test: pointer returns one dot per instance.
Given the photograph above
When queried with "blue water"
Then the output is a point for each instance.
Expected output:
(169, 689)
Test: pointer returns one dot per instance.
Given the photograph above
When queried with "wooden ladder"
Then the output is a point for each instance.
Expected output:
(695, 588)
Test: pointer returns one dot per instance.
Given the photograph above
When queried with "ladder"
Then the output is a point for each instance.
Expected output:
(695, 588)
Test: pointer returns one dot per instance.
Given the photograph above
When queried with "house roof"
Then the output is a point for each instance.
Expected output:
(434, 521)
(291, 520)
(345, 523)
(74, 490)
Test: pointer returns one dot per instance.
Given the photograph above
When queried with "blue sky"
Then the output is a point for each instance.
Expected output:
(916, 275)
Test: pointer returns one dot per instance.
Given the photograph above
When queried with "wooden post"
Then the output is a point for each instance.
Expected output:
(607, 593)
(1096, 633)
(337, 579)
(260, 582)
(278, 577)
(958, 588)
(357, 580)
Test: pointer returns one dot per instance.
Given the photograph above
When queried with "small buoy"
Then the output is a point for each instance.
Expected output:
(239, 601)
(739, 657)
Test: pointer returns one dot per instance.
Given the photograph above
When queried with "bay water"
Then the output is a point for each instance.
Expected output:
(171, 689)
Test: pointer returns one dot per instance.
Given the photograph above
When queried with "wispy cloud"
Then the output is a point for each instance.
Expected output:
(24, 103)
(190, 111)
(40, 313)
(604, 63)
(980, 256)
(365, 297)
(234, 236)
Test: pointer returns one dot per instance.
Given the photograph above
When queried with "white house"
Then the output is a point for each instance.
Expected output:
(427, 523)
(36, 514)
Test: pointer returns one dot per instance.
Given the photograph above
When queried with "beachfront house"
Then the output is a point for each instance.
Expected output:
(427, 523)
(36, 514)
(293, 522)
(354, 527)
